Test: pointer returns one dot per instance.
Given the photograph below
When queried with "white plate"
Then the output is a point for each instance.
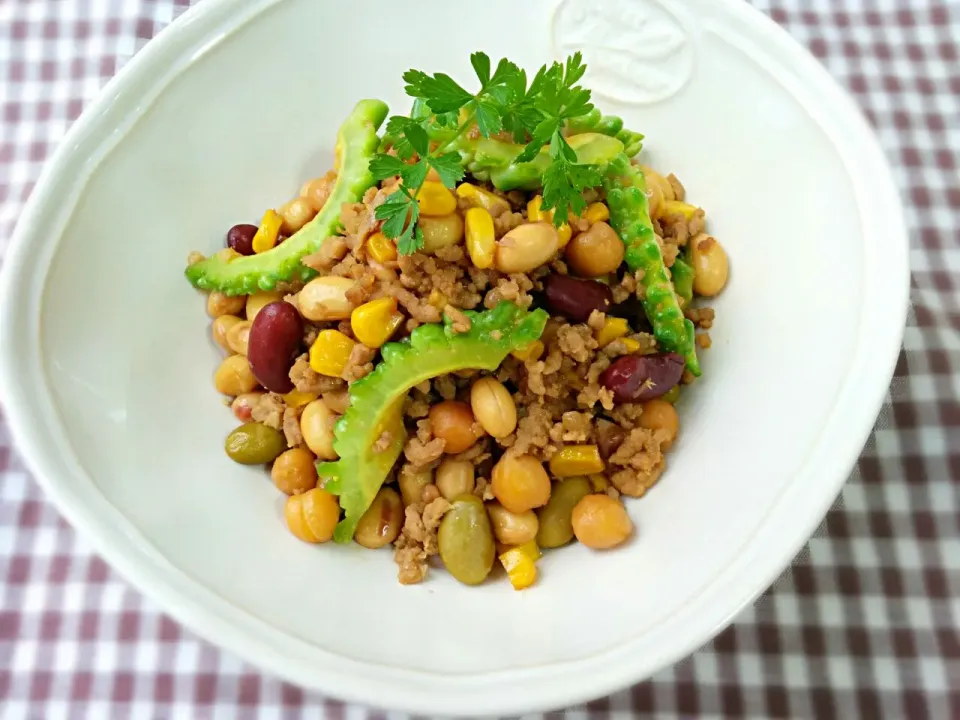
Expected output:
(106, 359)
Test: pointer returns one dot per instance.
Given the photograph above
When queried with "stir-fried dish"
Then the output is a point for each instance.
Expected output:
(467, 339)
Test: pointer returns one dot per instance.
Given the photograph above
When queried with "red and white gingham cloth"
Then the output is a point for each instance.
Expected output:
(865, 624)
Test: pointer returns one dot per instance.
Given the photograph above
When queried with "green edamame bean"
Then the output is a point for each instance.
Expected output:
(254, 443)
(556, 528)
(466, 540)
(672, 394)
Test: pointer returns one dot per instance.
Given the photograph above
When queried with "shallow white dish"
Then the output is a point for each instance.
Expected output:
(105, 359)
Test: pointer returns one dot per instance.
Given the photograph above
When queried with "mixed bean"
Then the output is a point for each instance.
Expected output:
(507, 504)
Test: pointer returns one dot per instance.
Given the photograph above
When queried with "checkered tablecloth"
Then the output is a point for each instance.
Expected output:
(865, 624)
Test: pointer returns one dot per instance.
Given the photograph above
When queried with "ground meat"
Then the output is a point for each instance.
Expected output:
(677, 186)
(596, 320)
(415, 408)
(331, 252)
(459, 322)
(360, 363)
(310, 333)
(701, 317)
(483, 489)
(576, 427)
(418, 539)
(576, 341)
(269, 410)
(291, 426)
(506, 222)
(421, 454)
(704, 341)
(697, 224)
(305, 379)
(445, 387)
(383, 442)
(640, 462)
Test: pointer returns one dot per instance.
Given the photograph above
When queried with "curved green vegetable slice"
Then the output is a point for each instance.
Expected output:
(357, 142)
(630, 216)
(376, 401)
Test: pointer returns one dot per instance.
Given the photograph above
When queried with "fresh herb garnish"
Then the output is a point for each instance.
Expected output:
(534, 115)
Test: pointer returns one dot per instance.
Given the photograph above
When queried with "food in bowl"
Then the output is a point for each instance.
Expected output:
(466, 340)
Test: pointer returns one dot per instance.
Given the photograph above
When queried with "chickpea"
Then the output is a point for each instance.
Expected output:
(312, 516)
(661, 417)
(221, 327)
(325, 298)
(412, 483)
(710, 265)
(234, 376)
(454, 422)
(441, 232)
(512, 528)
(595, 252)
(257, 301)
(293, 472)
(381, 523)
(520, 483)
(296, 213)
(242, 405)
(600, 522)
(219, 304)
(455, 477)
(526, 247)
(493, 407)
(316, 426)
(238, 337)
(317, 190)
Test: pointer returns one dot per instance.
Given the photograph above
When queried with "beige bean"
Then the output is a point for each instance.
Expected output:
(526, 247)
(257, 301)
(219, 304)
(234, 376)
(441, 232)
(316, 426)
(493, 407)
(221, 327)
(296, 213)
(710, 265)
(512, 528)
(455, 477)
(238, 337)
(325, 298)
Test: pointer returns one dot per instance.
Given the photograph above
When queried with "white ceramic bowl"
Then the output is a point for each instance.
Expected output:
(106, 358)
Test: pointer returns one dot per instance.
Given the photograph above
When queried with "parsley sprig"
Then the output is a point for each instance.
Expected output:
(534, 115)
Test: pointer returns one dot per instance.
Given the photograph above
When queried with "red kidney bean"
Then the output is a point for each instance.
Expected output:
(575, 298)
(636, 378)
(240, 238)
(274, 344)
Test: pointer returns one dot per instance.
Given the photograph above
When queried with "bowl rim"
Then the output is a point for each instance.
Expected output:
(791, 522)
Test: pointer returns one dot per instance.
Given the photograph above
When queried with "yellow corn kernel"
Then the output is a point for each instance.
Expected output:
(674, 207)
(435, 200)
(374, 322)
(632, 345)
(480, 198)
(576, 460)
(481, 240)
(521, 564)
(531, 352)
(381, 248)
(330, 352)
(596, 212)
(296, 399)
(534, 214)
(613, 328)
(437, 299)
(268, 232)
(599, 482)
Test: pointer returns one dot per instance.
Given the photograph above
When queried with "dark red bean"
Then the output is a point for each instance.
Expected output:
(274, 344)
(240, 238)
(636, 378)
(575, 298)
